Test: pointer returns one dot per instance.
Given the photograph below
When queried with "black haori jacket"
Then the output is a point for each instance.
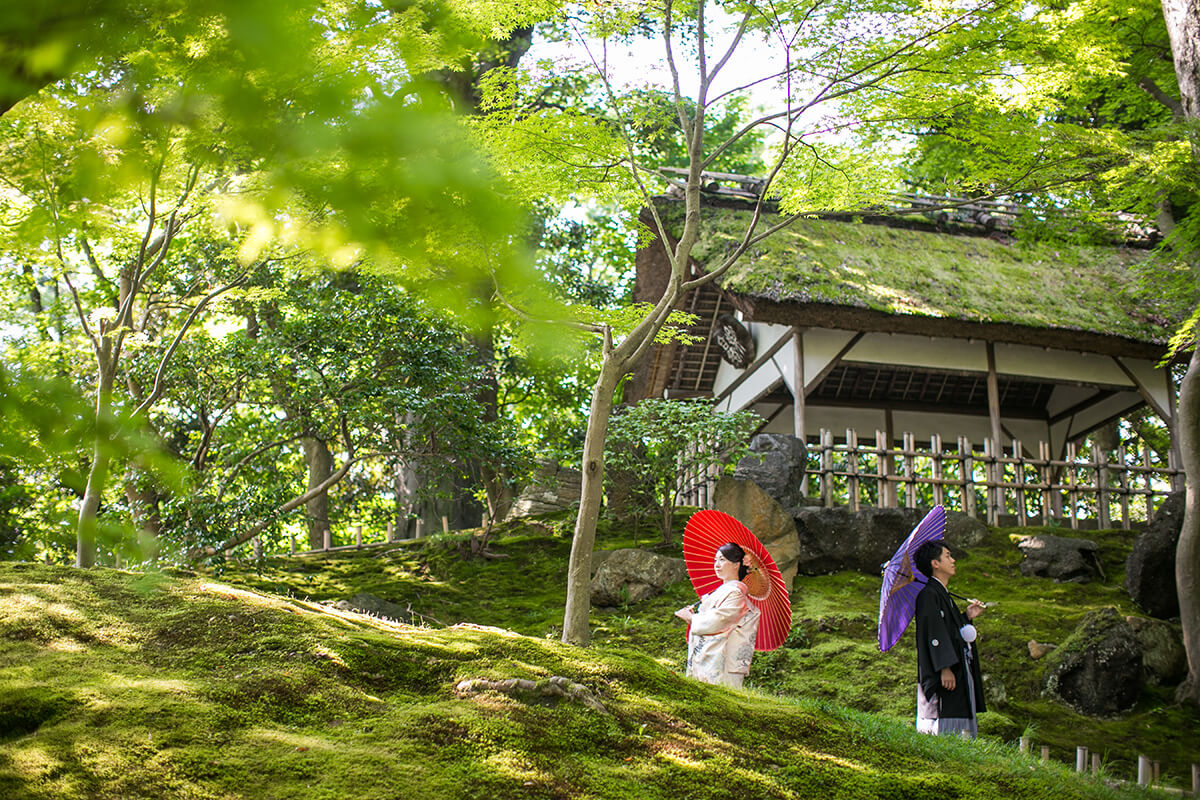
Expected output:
(939, 645)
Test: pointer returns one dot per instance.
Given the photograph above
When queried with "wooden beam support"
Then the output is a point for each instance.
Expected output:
(800, 392)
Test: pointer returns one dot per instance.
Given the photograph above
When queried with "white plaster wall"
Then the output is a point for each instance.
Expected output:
(1157, 381)
(920, 351)
(821, 346)
(1058, 365)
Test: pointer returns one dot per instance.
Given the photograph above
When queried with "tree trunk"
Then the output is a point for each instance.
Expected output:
(320, 467)
(1187, 553)
(89, 506)
(1183, 26)
(579, 572)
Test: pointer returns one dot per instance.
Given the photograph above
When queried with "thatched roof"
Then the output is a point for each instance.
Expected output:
(899, 275)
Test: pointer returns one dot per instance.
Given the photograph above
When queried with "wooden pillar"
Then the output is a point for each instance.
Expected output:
(798, 395)
(993, 392)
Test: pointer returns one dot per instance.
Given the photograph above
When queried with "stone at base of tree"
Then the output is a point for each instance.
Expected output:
(1150, 567)
(1038, 650)
(1163, 656)
(1063, 559)
(833, 539)
(631, 576)
(367, 603)
(1098, 670)
(553, 488)
(776, 463)
(746, 502)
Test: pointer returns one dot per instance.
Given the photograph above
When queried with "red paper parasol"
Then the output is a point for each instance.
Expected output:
(707, 531)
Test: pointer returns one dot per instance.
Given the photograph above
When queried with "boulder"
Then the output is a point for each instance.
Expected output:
(1058, 557)
(1038, 650)
(1150, 567)
(367, 603)
(553, 488)
(630, 576)
(776, 463)
(995, 693)
(1163, 656)
(765, 517)
(1098, 670)
(833, 539)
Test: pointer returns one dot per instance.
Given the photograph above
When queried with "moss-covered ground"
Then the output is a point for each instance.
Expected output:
(242, 684)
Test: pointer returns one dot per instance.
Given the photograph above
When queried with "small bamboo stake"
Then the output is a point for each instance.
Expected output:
(292, 544)
(358, 535)
(445, 524)
(1081, 759)
(327, 541)
(1143, 771)
(1095, 763)
(1023, 744)
(391, 531)
(1195, 780)
(1154, 772)
(1045, 752)
(852, 469)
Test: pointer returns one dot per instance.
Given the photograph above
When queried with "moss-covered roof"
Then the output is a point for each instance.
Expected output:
(1104, 290)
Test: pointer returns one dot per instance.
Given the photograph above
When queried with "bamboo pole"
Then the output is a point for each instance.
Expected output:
(1072, 485)
(358, 535)
(993, 488)
(1123, 454)
(1081, 759)
(882, 487)
(1143, 771)
(1149, 478)
(1102, 509)
(1095, 763)
(1044, 472)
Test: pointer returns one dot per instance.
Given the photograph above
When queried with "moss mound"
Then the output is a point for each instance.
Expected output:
(120, 685)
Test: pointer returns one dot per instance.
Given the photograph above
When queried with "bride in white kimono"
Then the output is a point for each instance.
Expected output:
(723, 628)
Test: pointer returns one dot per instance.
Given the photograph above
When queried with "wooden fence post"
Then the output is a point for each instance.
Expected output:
(882, 485)
(1045, 752)
(993, 489)
(1149, 479)
(935, 450)
(852, 469)
(1095, 763)
(391, 531)
(968, 476)
(1044, 472)
(327, 541)
(1072, 485)
(1103, 519)
(1019, 480)
(827, 468)
(1124, 456)
(910, 473)
(358, 535)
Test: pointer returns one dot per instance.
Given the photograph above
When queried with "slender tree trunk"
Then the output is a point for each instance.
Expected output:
(89, 506)
(1182, 18)
(579, 572)
(1187, 553)
(320, 467)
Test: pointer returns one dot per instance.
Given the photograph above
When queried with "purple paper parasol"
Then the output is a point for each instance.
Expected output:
(902, 581)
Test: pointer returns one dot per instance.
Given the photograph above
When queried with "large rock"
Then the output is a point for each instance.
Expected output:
(553, 488)
(1150, 567)
(1058, 557)
(1163, 656)
(776, 464)
(833, 539)
(1098, 670)
(766, 519)
(630, 576)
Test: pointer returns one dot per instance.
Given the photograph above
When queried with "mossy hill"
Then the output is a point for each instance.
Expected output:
(241, 685)
(1108, 290)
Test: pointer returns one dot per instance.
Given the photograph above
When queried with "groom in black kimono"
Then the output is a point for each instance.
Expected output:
(950, 690)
